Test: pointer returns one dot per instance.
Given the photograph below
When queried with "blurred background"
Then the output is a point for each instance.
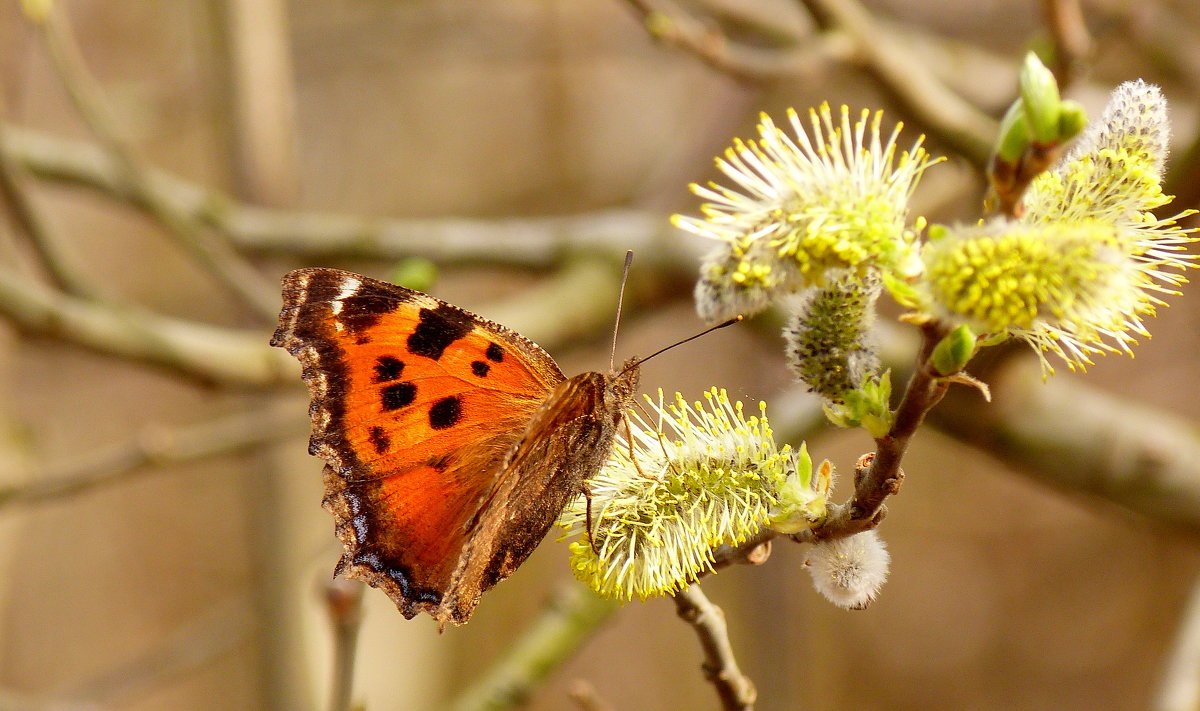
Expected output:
(162, 543)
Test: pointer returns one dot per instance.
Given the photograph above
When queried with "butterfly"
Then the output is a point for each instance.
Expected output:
(451, 443)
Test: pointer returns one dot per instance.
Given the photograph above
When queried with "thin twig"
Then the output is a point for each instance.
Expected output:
(587, 697)
(704, 40)
(261, 91)
(1179, 689)
(568, 620)
(229, 357)
(215, 255)
(343, 603)
(36, 228)
(536, 242)
(181, 652)
(1072, 41)
(879, 474)
(550, 312)
(1083, 440)
(940, 111)
(736, 691)
(157, 446)
(11, 700)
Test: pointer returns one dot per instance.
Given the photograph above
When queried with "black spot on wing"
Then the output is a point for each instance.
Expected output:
(362, 310)
(438, 329)
(380, 440)
(396, 396)
(495, 353)
(445, 413)
(480, 369)
(388, 369)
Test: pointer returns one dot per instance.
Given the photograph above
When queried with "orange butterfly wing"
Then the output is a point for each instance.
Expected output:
(416, 407)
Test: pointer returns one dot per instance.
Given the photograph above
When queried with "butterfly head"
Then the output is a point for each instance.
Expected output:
(624, 382)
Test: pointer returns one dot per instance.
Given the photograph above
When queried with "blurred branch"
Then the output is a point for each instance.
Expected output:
(736, 691)
(21, 701)
(1179, 689)
(343, 602)
(1063, 432)
(206, 353)
(1085, 441)
(850, 34)
(569, 619)
(1072, 41)
(216, 256)
(211, 635)
(313, 236)
(1183, 176)
(260, 93)
(550, 311)
(943, 113)
(158, 446)
(586, 697)
(673, 26)
(40, 233)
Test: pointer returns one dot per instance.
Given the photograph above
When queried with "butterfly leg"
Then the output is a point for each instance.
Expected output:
(587, 494)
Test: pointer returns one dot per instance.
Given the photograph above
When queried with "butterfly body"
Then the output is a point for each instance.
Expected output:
(451, 443)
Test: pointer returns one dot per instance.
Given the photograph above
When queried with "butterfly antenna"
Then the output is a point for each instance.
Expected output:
(612, 358)
(705, 332)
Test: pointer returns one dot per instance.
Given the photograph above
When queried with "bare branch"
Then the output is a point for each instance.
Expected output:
(158, 446)
(1083, 440)
(1179, 689)
(941, 111)
(587, 697)
(261, 98)
(736, 691)
(206, 353)
(1072, 41)
(208, 636)
(21, 701)
(343, 603)
(566, 622)
(803, 57)
(39, 231)
(312, 236)
(218, 257)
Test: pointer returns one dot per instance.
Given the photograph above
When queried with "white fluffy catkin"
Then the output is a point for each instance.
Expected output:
(849, 571)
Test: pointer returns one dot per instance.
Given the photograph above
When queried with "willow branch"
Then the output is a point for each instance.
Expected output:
(21, 701)
(216, 256)
(157, 446)
(878, 474)
(1072, 41)
(1179, 689)
(734, 689)
(536, 242)
(941, 111)
(211, 355)
(568, 620)
(343, 604)
(31, 223)
(586, 697)
(191, 646)
(704, 40)
(1082, 440)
